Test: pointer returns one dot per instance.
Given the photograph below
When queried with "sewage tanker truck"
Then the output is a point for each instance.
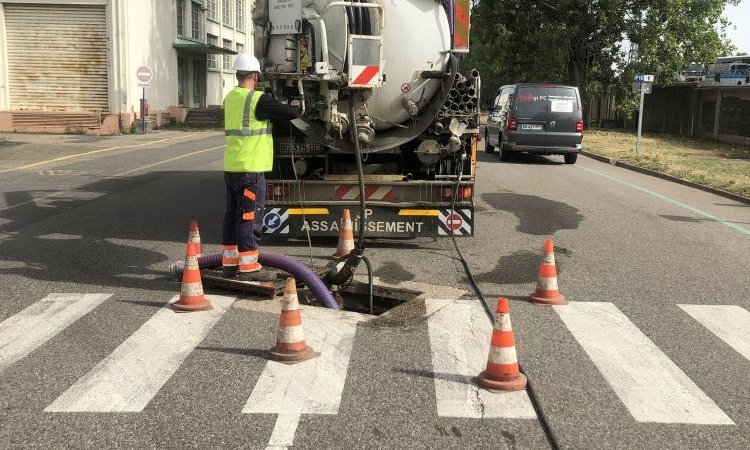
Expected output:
(378, 78)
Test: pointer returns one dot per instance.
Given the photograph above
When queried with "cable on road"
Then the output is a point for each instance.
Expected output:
(541, 416)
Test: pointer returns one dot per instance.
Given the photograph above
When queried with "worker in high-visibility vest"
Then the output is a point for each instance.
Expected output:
(248, 155)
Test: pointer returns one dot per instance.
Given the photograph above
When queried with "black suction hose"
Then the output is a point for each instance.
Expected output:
(543, 421)
(278, 261)
(358, 19)
(341, 274)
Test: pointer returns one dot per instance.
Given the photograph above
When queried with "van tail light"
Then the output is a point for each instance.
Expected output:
(580, 126)
(512, 124)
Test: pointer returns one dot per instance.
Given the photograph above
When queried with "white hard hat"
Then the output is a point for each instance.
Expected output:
(246, 63)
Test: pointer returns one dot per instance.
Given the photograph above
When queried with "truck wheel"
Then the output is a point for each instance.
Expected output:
(504, 153)
(570, 158)
(489, 148)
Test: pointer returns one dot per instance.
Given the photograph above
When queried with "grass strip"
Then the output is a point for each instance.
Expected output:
(714, 164)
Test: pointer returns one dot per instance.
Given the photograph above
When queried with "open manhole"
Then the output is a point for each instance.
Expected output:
(354, 297)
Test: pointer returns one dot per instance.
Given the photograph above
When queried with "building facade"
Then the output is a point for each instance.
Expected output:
(65, 58)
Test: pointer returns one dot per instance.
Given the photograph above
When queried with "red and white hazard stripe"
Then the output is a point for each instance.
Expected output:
(351, 192)
(365, 75)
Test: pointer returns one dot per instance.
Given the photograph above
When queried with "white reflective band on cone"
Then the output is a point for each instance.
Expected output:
(191, 289)
(231, 254)
(191, 263)
(503, 355)
(291, 334)
(502, 322)
(548, 284)
(549, 259)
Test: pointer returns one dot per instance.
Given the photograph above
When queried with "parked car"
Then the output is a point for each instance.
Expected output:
(536, 118)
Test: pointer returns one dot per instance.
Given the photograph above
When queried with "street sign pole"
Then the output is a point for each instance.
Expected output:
(144, 74)
(143, 113)
(640, 121)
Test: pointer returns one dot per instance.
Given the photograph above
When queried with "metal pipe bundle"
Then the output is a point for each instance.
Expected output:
(463, 100)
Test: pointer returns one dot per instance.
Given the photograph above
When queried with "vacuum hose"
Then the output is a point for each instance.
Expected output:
(277, 261)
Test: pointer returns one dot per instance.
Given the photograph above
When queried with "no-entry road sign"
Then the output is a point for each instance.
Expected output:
(144, 74)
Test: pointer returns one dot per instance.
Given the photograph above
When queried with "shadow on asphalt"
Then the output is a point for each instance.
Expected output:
(521, 158)
(116, 231)
(537, 215)
(689, 219)
(256, 352)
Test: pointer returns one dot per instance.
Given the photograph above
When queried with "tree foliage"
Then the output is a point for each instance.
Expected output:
(586, 42)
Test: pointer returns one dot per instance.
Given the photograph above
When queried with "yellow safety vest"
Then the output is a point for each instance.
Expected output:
(249, 140)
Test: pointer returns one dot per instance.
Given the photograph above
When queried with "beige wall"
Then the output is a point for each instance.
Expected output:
(143, 32)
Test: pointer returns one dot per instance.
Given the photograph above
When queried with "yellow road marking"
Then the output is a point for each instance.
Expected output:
(57, 194)
(92, 152)
(167, 161)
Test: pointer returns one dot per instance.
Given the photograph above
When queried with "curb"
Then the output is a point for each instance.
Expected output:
(663, 176)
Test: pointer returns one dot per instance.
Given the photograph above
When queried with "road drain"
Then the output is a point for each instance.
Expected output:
(355, 298)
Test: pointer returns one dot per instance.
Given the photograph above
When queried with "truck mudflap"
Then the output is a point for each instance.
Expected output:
(382, 221)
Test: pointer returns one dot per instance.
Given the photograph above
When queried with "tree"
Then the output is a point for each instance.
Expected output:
(583, 42)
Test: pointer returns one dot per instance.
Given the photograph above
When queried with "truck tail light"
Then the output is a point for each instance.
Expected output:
(512, 124)
(580, 126)
(464, 193)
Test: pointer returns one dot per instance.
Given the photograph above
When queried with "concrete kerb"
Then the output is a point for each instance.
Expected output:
(663, 176)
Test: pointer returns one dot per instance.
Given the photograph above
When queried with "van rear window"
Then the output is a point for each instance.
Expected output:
(533, 100)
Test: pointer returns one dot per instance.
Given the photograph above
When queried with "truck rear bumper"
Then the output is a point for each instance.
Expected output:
(382, 221)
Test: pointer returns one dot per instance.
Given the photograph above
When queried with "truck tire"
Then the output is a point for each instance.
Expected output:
(570, 158)
(489, 148)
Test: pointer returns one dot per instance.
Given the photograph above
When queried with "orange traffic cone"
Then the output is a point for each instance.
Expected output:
(291, 347)
(547, 292)
(346, 236)
(502, 373)
(191, 293)
(194, 238)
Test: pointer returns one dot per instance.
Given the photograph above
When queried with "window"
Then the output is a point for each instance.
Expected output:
(240, 48)
(180, 82)
(211, 9)
(227, 58)
(241, 15)
(226, 12)
(180, 17)
(196, 20)
(213, 62)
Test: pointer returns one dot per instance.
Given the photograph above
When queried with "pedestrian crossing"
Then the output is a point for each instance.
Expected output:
(652, 388)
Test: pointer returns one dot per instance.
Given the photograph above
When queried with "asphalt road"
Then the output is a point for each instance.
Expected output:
(623, 366)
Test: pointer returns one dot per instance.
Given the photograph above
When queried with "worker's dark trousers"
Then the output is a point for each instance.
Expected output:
(243, 221)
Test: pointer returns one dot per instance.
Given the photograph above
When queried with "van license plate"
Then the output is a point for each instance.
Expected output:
(532, 127)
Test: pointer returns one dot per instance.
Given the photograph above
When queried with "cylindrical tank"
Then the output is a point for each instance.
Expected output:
(416, 38)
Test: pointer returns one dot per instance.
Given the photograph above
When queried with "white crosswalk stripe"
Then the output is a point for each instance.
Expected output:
(26, 331)
(310, 387)
(647, 382)
(651, 386)
(460, 340)
(729, 322)
(130, 376)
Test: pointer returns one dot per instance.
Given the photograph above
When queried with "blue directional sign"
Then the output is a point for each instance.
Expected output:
(272, 221)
